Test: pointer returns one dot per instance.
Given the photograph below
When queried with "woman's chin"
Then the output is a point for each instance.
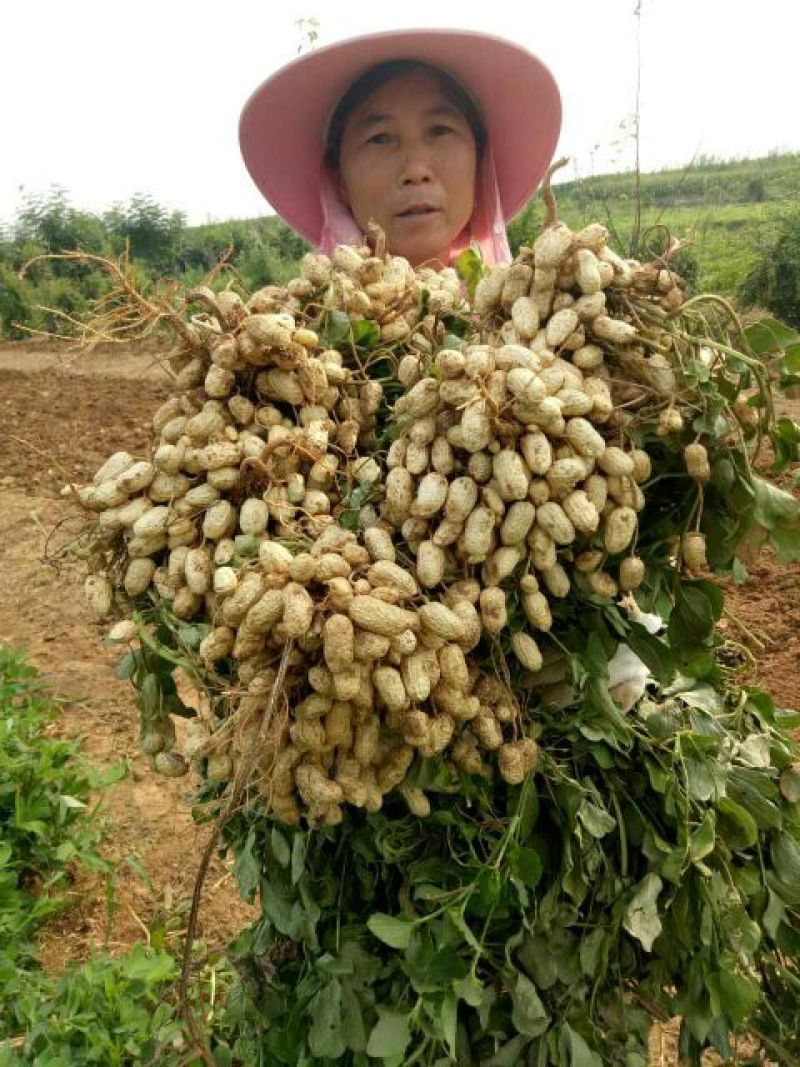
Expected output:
(416, 252)
(415, 241)
(437, 260)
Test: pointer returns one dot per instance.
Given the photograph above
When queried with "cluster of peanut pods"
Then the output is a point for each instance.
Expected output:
(384, 510)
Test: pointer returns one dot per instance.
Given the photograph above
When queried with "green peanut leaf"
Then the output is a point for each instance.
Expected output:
(392, 930)
(390, 1035)
(641, 916)
(326, 1038)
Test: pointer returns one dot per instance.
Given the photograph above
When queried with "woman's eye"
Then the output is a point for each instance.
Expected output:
(378, 138)
(441, 130)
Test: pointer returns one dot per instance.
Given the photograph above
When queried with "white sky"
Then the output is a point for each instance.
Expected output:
(108, 99)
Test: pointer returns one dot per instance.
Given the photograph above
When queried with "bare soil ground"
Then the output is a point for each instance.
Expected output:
(60, 417)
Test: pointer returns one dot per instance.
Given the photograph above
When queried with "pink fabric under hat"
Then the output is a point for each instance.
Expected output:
(283, 124)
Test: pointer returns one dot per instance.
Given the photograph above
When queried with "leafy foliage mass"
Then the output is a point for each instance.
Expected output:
(501, 930)
(654, 865)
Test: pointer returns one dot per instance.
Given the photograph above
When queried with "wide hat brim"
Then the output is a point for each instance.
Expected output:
(283, 124)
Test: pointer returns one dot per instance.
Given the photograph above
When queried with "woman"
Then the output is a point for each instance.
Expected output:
(439, 136)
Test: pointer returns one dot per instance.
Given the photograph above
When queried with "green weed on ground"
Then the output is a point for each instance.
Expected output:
(46, 822)
(118, 1012)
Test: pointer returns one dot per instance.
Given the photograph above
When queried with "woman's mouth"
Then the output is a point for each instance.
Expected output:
(418, 211)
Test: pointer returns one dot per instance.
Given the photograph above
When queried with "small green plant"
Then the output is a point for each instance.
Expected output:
(114, 1012)
(123, 1012)
(45, 822)
(47, 828)
(107, 1011)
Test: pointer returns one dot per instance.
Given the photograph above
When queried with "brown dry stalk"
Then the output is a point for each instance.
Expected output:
(760, 645)
(376, 238)
(122, 315)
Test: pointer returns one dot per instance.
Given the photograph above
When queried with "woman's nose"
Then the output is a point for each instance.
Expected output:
(416, 166)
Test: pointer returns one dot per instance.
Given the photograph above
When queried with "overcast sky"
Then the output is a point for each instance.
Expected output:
(107, 99)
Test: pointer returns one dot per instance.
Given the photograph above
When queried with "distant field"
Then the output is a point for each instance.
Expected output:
(727, 210)
(724, 238)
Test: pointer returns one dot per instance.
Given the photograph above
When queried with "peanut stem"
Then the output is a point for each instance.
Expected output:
(547, 192)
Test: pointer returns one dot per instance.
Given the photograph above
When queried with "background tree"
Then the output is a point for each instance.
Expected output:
(774, 281)
(151, 231)
(50, 221)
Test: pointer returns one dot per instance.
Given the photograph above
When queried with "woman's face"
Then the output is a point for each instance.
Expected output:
(408, 162)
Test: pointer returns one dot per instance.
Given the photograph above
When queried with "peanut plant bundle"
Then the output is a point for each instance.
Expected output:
(397, 526)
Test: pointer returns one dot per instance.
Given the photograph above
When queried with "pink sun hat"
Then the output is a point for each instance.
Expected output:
(283, 124)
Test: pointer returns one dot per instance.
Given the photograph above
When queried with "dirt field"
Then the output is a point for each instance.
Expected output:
(61, 417)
